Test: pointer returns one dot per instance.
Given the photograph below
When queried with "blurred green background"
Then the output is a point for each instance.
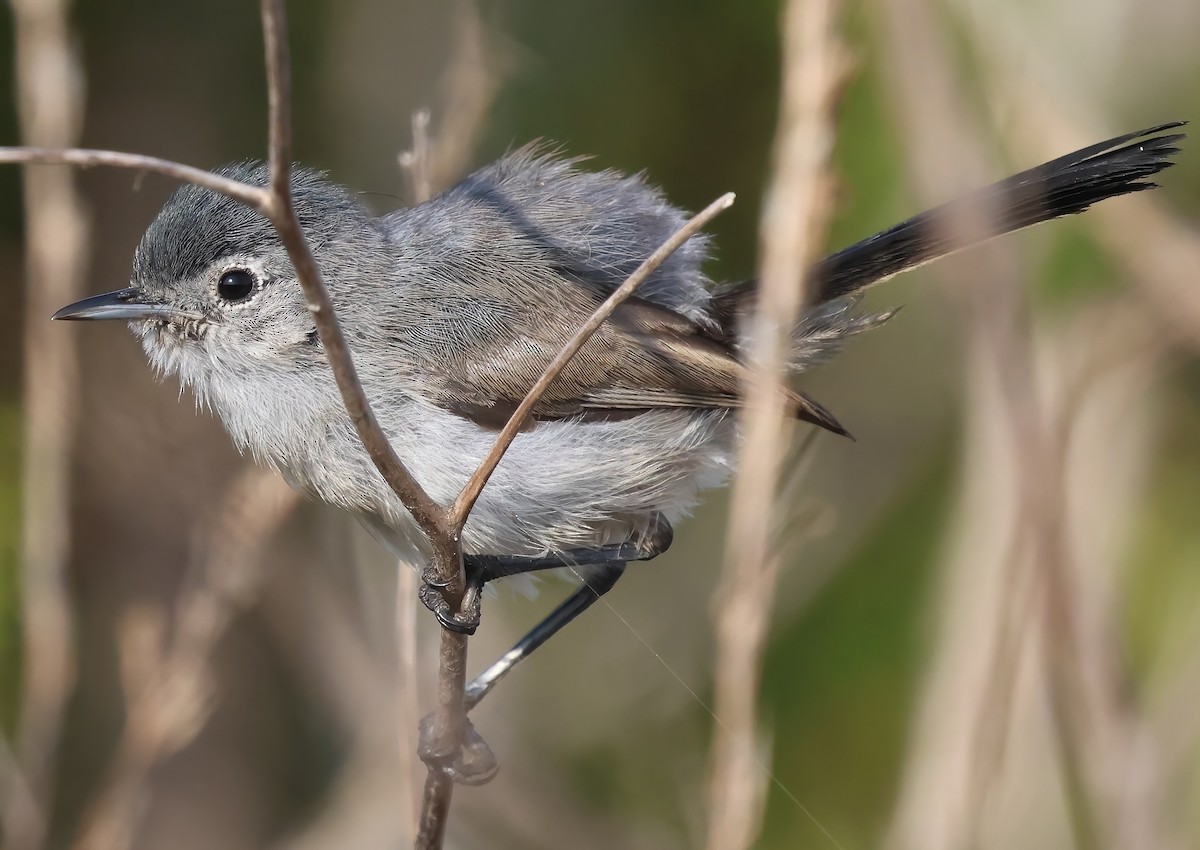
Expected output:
(604, 736)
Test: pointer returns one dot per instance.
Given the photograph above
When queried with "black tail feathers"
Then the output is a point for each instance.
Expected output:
(1064, 186)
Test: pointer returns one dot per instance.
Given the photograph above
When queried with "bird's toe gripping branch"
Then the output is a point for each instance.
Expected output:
(433, 595)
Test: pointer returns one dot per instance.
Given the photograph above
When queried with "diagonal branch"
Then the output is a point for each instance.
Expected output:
(474, 486)
(277, 206)
(450, 717)
(438, 785)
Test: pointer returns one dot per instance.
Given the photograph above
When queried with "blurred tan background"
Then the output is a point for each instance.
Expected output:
(988, 633)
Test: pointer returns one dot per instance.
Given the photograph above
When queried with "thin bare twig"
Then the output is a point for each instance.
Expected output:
(795, 218)
(416, 161)
(251, 196)
(473, 77)
(408, 713)
(474, 486)
(469, 89)
(448, 730)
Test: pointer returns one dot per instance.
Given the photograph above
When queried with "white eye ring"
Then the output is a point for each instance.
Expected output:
(237, 284)
(238, 281)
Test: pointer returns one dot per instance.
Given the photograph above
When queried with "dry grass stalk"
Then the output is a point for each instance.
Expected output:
(1093, 727)
(966, 716)
(167, 680)
(795, 219)
(1125, 770)
(50, 111)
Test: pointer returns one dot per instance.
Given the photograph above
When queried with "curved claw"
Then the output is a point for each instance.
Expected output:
(464, 622)
(429, 576)
(473, 763)
(460, 623)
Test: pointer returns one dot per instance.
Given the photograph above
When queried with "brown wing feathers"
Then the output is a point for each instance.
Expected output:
(645, 357)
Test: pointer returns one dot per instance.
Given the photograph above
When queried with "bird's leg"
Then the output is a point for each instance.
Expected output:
(598, 583)
(475, 763)
(480, 569)
(608, 565)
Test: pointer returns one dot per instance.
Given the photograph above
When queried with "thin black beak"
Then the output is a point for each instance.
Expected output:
(122, 304)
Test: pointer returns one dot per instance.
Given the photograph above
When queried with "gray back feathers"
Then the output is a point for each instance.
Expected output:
(591, 228)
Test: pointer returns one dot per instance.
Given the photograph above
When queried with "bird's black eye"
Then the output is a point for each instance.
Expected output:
(236, 285)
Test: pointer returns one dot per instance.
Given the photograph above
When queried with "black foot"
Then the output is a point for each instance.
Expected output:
(466, 620)
(485, 568)
(473, 764)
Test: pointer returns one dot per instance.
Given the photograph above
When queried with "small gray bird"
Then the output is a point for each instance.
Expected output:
(453, 308)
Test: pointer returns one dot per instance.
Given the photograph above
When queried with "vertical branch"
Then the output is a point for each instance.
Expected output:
(50, 101)
(470, 87)
(449, 719)
(795, 218)
(416, 161)
(416, 164)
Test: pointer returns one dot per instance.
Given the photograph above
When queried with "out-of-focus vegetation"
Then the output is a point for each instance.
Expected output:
(603, 736)
(10, 497)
